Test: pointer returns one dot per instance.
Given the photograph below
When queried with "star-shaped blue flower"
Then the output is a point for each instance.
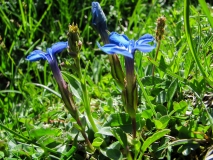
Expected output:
(120, 44)
(50, 53)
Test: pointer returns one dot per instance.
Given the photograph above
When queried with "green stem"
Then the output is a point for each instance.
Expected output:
(134, 128)
(85, 136)
(85, 95)
(87, 107)
(156, 56)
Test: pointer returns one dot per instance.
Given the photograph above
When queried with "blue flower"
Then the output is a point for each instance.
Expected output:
(120, 43)
(99, 21)
(50, 53)
(98, 15)
(50, 57)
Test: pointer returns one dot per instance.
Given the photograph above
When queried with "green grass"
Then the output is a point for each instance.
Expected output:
(174, 115)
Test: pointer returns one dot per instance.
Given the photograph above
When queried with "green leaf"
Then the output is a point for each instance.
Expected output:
(182, 141)
(147, 114)
(188, 65)
(75, 84)
(171, 90)
(39, 132)
(190, 40)
(137, 146)
(114, 154)
(161, 97)
(150, 80)
(76, 126)
(70, 153)
(97, 142)
(105, 131)
(153, 138)
(73, 149)
(187, 148)
(123, 120)
(45, 140)
(113, 148)
(120, 135)
(1, 154)
(206, 10)
(97, 70)
(164, 121)
(166, 70)
(161, 109)
(47, 88)
(158, 124)
(180, 107)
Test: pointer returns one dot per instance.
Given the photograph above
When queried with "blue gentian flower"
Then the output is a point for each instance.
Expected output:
(120, 44)
(98, 15)
(99, 21)
(49, 55)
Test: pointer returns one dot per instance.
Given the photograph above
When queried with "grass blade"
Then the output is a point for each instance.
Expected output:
(206, 11)
(189, 38)
(47, 88)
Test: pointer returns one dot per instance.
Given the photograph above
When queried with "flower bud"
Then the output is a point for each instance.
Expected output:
(73, 40)
(99, 21)
(161, 21)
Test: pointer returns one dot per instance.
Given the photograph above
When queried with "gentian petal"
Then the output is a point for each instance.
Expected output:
(145, 47)
(142, 43)
(145, 39)
(49, 55)
(36, 55)
(119, 39)
(112, 49)
(58, 47)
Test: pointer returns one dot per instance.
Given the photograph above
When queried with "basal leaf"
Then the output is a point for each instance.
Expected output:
(39, 132)
(123, 121)
(97, 142)
(171, 90)
(113, 147)
(105, 131)
(150, 80)
(120, 135)
(153, 138)
(158, 124)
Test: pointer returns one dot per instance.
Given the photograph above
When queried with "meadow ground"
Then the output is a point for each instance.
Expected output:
(173, 113)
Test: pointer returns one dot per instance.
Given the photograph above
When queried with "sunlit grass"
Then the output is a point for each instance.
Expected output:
(34, 123)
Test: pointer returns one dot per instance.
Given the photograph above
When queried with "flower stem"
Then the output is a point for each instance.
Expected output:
(134, 128)
(87, 107)
(85, 95)
(130, 91)
(68, 99)
(156, 55)
(85, 136)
